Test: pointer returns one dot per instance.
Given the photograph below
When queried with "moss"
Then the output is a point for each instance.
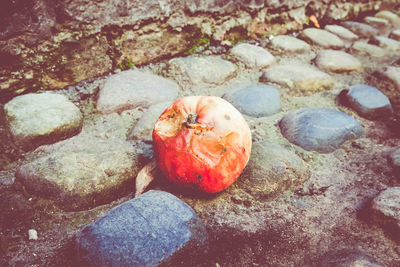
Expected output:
(126, 64)
(199, 42)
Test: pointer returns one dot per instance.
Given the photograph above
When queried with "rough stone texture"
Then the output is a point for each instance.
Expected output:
(252, 56)
(320, 129)
(337, 61)
(361, 29)
(349, 257)
(155, 228)
(144, 127)
(289, 44)
(196, 70)
(395, 35)
(378, 23)
(322, 38)
(368, 101)
(298, 77)
(130, 89)
(37, 119)
(82, 172)
(386, 43)
(363, 48)
(255, 100)
(342, 32)
(388, 80)
(272, 169)
(390, 16)
(394, 161)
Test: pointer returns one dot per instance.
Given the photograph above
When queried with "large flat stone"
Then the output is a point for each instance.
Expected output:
(319, 129)
(37, 119)
(130, 89)
(322, 38)
(252, 56)
(153, 229)
(363, 48)
(361, 29)
(289, 44)
(342, 32)
(337, 61)
(298, 77)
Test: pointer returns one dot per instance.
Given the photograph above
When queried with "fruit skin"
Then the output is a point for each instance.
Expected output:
(202, 142)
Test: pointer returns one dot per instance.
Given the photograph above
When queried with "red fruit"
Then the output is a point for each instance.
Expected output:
(202, 142)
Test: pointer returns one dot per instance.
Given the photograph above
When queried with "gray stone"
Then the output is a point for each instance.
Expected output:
(368, 101)
(322, 38)
(290, 44)
(395, 35)
(152, 229)
(252, 56)
(320, 129)
(361, 29)
(386, 43)
(342, 32)
(130, 89)
(378, 23)
(82, 173)
(37, 119)
(337, 61)
(255, 100)
(144, 127)
(390, 16)
(363, 48)
(394, 161)
(349, 257)
(196, 70)
(387, 206)
(272, 169)
(302, 78)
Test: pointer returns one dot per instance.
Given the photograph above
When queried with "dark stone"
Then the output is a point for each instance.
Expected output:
(367, 100)
(155, 228)
(255, 100)
(361, 29)
(320, 129)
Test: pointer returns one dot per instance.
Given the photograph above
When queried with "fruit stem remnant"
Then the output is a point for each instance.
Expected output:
(145, 177)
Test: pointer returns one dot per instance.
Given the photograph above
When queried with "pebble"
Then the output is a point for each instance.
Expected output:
(298, 77)
(363, 48)
(153, 229)
(367, 101)
(32, 234)
(337, 61)
(290, 44)
(378, 23)
(394, 161)
(205, 69)
(349, 257)
(386, 208)
(386, 43)
(41, 118)
(395, 35)
(342, 32)
(132, 88)
(255, 100)
(252, 56)
(390, 16)
(322, 38)
(361, 29)
(319, 129)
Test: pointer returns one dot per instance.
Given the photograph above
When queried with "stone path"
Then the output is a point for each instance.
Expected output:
(321, 187)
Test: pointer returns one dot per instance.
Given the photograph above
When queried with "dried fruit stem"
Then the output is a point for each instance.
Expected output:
(145, 177)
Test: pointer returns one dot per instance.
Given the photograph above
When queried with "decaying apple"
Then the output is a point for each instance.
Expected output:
(202, 142)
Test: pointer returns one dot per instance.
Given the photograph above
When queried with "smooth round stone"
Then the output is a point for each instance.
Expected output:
(387, 206)
(132, 88)
(381, 24)
(319, 129)
(390, 16)
(395, 35)
(38, 119)
(255, 100)
(361, 29)
(342, 32)
(363, 48)
(349, 258)
(290, 44)
(337, 61)
(367, 101)
(252, 56)
(322, 38)
(386, 43)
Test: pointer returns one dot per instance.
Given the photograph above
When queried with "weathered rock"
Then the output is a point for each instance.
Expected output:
(252, 56)
(320, 129)
(255, 100)
(390, 16)
(144, 127)
(368, 101)
(342, 32)
(82, 172)
(349, 257)
(386, 43)
(272, 169)
(395, 35)
(337, 61)
(361, 29)
(290, 44)
(322, 38)
(210, 69)
(152, 229)
(130, 89)
(298, 77)
(37, 119)
(394, 161)
(363, 48)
